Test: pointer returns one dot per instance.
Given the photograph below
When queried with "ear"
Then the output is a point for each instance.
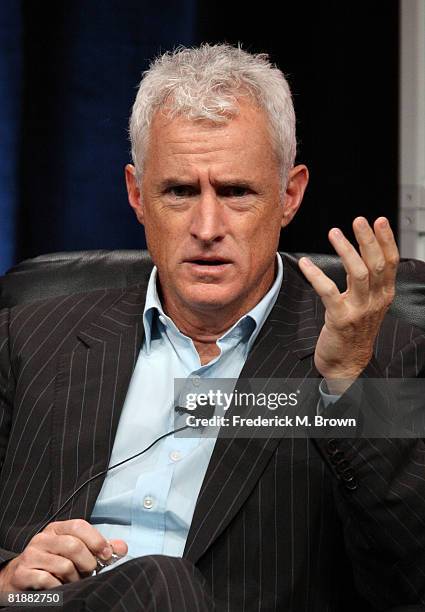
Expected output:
(296, 185)
(133, 192)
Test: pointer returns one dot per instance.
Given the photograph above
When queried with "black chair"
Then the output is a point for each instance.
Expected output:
(72, 272)
(408, 609)
(65, 273)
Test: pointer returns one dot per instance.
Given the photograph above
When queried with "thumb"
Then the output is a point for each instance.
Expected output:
(119, 547)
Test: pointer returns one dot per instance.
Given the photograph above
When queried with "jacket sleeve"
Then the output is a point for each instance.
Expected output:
(380, 496)
(7, 391)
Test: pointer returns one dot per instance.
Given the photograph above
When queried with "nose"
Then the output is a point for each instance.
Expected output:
(208, 218)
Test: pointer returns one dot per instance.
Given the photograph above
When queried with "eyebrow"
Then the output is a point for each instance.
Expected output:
(234, 183)
(172, 181)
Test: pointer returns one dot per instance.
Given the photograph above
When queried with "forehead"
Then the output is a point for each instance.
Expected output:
(243, 139)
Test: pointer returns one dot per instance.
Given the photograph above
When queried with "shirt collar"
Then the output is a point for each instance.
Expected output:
(257, 315)
(261, 311)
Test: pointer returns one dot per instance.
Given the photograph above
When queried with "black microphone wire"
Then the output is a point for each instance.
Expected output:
(204, 412)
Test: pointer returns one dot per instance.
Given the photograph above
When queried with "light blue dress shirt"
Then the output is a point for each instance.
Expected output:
(149, 502)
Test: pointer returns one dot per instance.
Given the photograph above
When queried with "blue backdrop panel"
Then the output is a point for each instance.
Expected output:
(81, 67)
(10, 103)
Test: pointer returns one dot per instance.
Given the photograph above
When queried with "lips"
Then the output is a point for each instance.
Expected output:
(208, 261)
(208, 268)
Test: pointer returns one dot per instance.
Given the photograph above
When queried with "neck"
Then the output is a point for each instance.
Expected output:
(206, 326)
(202, 330)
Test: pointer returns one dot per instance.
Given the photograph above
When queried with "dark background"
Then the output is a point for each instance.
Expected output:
(68, 77)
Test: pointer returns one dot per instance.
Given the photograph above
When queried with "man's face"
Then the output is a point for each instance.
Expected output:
(212, 208)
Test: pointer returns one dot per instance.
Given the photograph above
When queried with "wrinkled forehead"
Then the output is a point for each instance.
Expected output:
(247, 125)
(236, 150)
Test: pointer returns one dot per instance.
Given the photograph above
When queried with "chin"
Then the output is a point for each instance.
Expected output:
(209, 298)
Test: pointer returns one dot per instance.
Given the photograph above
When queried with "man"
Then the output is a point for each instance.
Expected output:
(86, 381)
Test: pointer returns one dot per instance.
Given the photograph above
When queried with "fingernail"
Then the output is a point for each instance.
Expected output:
(337, 233)
(307, 262)
(362, 223)
(106, 553)
(383, 222)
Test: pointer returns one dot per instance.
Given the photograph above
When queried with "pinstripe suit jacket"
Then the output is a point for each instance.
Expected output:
(274, 527)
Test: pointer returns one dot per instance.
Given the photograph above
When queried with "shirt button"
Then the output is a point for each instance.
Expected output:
(175, 456)
(196, 381)
(148, 503)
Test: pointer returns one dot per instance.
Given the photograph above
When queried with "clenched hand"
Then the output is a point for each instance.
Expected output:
(65, 551)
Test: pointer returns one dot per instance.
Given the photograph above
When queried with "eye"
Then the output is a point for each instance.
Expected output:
(181, 191)
(234, 191)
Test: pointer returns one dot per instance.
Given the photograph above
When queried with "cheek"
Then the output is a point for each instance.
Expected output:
(153, 240)
(263, 234)
(164, 242)
(258, 247)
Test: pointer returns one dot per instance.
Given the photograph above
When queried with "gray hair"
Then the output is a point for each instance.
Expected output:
(205, 83)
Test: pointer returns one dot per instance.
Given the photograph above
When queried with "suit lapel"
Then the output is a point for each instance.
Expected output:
(283, 349)
(91, 386)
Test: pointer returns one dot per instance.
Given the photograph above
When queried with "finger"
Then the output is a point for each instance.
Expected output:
(371, 252)
(324, 287)
(385, 237)
(60, 567)
(89, 535)
(67, 547)
(119, 547)
(39, 580)
(28, 578)
(354, 266)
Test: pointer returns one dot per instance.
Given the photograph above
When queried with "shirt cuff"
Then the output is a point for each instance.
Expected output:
(326, 398)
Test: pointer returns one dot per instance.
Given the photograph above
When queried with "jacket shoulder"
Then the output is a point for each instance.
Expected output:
(54, 317)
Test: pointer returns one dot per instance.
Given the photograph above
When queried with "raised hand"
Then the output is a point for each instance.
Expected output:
(353, 318)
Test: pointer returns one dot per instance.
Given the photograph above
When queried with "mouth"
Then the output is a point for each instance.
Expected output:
(209, 265)
(209, 262)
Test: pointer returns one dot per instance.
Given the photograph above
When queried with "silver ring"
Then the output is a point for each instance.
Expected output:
(101, 564)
